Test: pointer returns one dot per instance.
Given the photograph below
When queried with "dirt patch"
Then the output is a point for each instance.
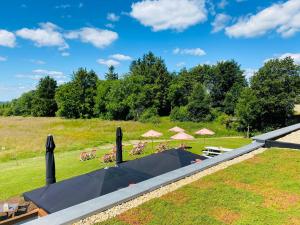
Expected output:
(177, 198)
(136, 216)
(273, 198)
(203, 184)
(256, 160)
(225, 215)
(293, 221)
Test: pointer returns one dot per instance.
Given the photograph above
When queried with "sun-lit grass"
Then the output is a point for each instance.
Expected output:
(25, 137)
(23, 175)
(297, 109)
(263, 190)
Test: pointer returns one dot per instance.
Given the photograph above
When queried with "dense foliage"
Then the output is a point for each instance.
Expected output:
(149, 90)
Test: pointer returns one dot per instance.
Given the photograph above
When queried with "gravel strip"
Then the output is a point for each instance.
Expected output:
(291, 138)
(112, 212)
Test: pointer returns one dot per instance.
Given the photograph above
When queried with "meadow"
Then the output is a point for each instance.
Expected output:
(263, 190)
(24, 137)
(22, 162)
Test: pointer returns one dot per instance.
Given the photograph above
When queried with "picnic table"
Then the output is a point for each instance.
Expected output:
(211, 151)
(12, 208)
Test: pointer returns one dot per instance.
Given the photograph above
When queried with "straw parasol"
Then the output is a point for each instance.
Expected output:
(204, 132)
(152, 134)
(182, 136)
(176, 129)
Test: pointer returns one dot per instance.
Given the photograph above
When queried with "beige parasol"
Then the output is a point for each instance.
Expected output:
(152, 134)
(203, 132)
(177, 129)
(182, 136)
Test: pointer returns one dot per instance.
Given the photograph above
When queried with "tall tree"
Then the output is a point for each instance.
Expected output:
(275, 88)
(199, 106)
(111, 74)
(86, 84)
(43, 103)
(224, 76)
(154, 79)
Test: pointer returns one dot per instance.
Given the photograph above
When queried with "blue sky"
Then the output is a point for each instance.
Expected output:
(39, 38)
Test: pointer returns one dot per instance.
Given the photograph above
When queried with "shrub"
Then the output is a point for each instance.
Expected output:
(150, 116)
(179, 114)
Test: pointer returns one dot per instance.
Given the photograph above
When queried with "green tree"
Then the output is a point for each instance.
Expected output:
(43, 103)
(22, 106)
(86, 84)
(275, 88)
(231, 98)
(68, 100)
(224, 76)
(154, 80)
(111, 74)
(248, 110)
(199, 106)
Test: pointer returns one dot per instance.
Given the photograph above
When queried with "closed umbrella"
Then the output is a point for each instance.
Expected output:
(177, 129)
(182, 136)
(152, 134)
(204, 132)
(50, 161)
(119, 135)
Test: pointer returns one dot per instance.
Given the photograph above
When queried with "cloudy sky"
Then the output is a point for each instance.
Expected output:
(39, 38)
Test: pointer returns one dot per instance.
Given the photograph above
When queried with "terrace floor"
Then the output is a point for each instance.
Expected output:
(261, 190)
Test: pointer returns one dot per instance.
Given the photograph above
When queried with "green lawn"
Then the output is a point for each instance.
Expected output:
(25, 137)
(26, 174)
(263, 190)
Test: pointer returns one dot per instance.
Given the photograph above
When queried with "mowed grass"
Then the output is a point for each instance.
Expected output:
(263, 190)
(23, 175)
(25, 137)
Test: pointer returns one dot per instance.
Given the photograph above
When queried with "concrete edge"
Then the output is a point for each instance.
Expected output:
(102, 203)
(276, 133)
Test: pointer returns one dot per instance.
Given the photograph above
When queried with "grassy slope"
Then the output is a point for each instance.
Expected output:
(263, 190)
(25, 137)
(26, 174)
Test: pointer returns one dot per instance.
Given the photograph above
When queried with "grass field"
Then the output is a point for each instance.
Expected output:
(261, 191)
(25, 137)
(26, 174)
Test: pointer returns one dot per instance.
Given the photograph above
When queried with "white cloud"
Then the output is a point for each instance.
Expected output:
(112, 17)
(222, 4)
(110, 25)
(294, 56)
(97, 37)
(165, 14)
(180, 64)
(282, 17)
(54, 74)
(63, 6)
(220, 22)
(36, 61)
(189, 51)
(249, 72)
(120, 57)
(108, 62)
(3, 59)
(7, 39)
(48, 35)
(65, 54)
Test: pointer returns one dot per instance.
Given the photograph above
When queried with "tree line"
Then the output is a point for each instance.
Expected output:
(149, 90)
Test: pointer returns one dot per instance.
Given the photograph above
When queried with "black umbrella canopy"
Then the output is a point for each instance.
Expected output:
(163, 162)
(119, 136)
(50, 161)
(82, 188)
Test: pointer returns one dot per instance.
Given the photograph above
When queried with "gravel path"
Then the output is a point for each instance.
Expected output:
(291, 138)
(110, 213)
